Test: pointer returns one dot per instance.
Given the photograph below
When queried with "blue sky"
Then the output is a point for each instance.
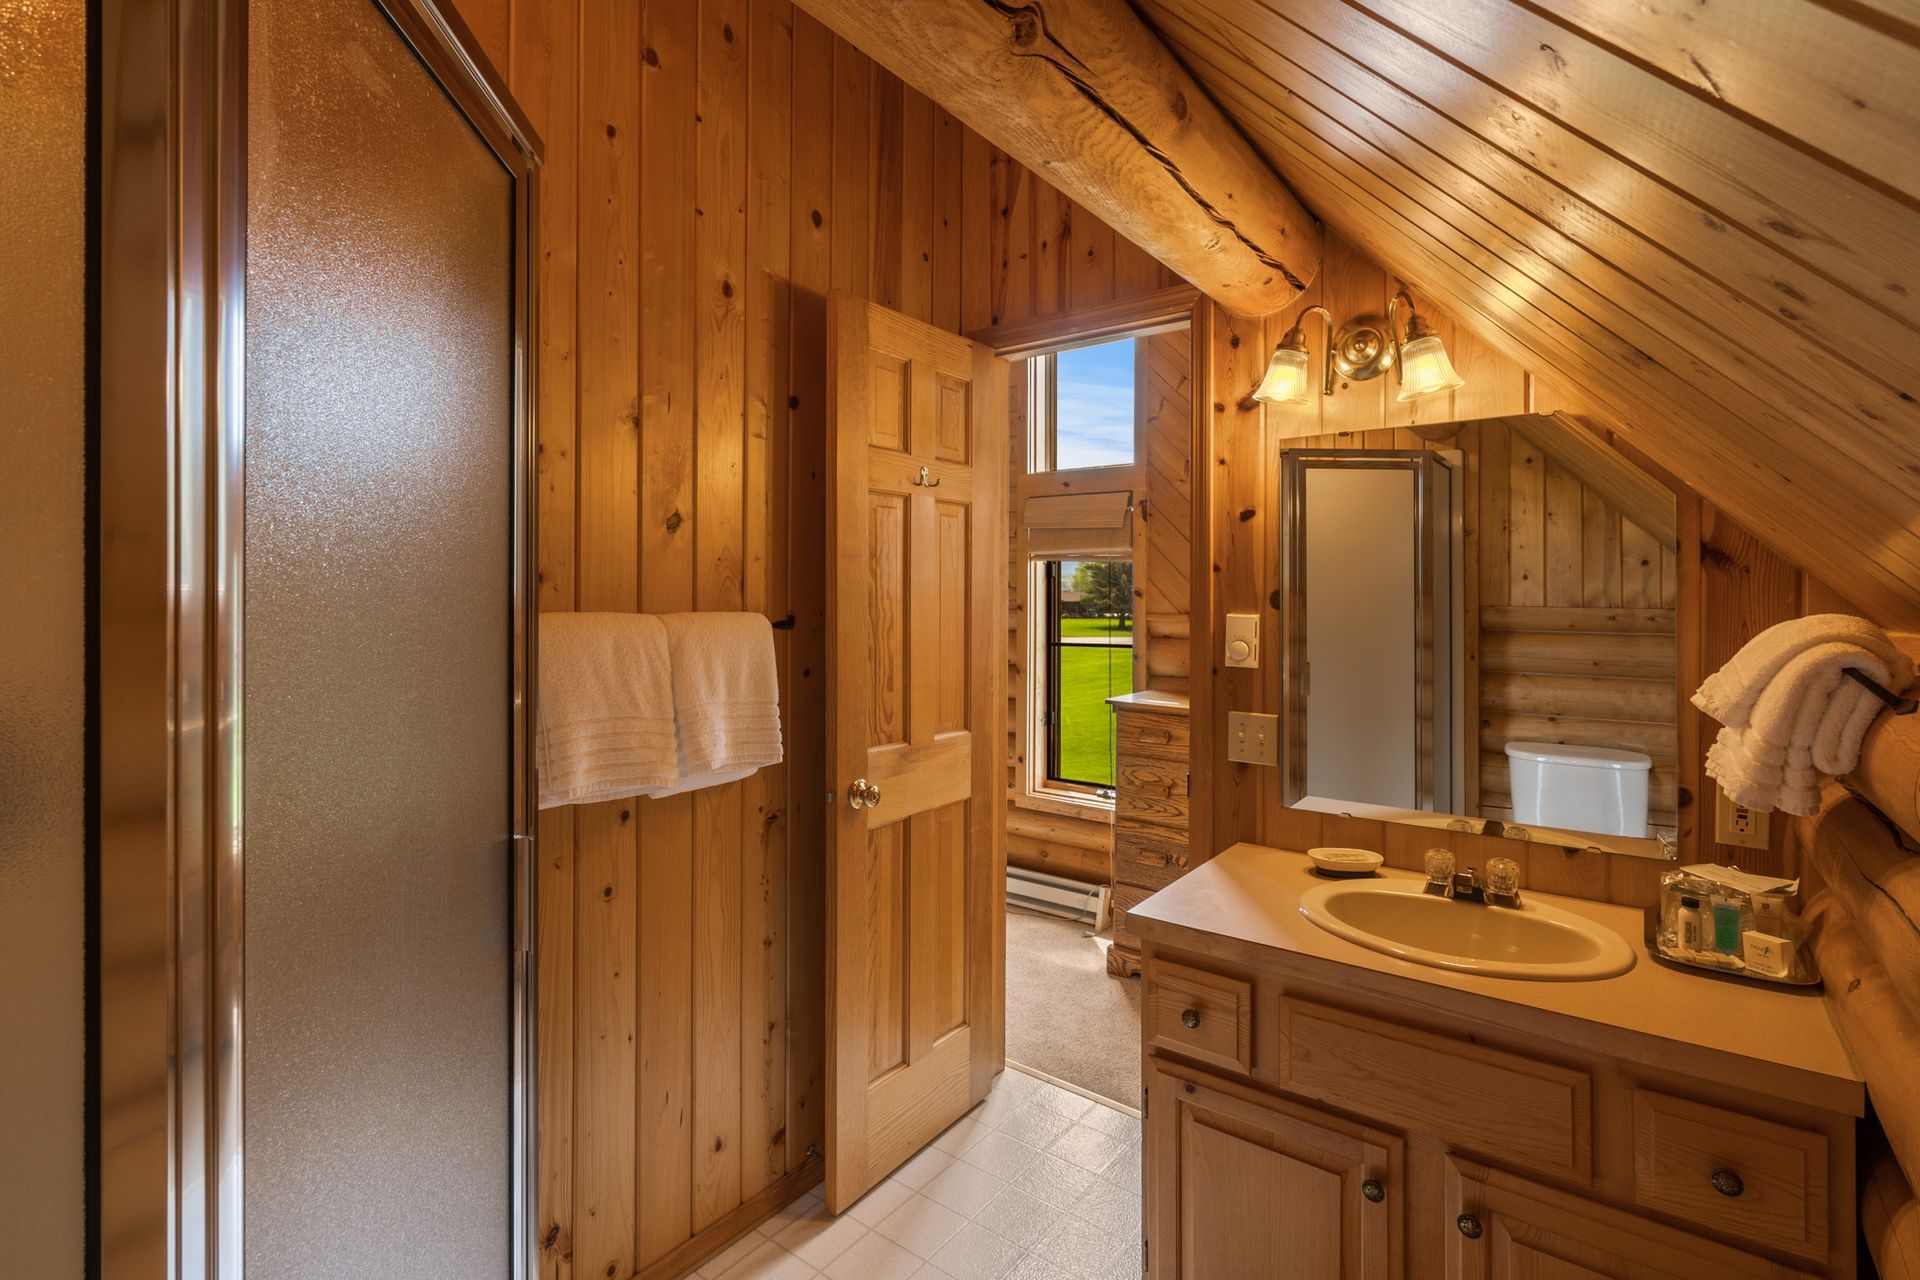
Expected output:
(1094, 422)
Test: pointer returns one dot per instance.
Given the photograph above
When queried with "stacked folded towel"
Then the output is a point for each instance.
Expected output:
(637, 705)
(606, 708)
(726, 697)
(1790, 714)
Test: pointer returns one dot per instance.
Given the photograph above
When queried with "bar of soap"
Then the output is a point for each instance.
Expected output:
(1767, 954)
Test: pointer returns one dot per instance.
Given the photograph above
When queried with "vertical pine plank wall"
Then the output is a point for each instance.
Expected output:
(714, 168)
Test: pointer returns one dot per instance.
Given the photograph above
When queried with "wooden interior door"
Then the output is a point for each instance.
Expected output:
(1238, 1184)
(917, 716)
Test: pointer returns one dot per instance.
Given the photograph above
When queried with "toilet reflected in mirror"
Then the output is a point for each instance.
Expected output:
(1478, 634)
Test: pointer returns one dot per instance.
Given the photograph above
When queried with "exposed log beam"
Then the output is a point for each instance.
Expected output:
(1084, 94)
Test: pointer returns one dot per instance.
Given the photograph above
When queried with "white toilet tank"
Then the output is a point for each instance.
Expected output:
(1579, 788)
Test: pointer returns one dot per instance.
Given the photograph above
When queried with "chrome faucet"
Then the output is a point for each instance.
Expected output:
(1500, 887)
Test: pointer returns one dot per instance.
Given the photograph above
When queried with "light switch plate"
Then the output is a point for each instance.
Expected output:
(1253, 738)
(1243, 640)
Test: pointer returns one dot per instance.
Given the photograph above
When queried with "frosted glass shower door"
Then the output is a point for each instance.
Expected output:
(378, 666)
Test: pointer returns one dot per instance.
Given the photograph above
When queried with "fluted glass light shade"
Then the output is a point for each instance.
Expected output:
(1425, 369)
(1287, 380)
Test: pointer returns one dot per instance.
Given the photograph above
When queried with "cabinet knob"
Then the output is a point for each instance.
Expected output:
(1373, 1191)
(1190, 1019)
(1469, 1226)
(1727, 1182)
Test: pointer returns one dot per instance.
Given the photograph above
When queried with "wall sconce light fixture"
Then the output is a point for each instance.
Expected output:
(1363, 349)
(1286, 379)
(1425, 369)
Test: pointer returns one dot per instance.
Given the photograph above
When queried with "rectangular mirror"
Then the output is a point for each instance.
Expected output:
(1479, 635)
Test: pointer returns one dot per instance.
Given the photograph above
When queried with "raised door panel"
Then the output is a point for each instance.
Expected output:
(1499, 1226)
(1238, 1184)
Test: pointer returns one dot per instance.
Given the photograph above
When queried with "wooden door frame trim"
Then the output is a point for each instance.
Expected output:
(1177, 305)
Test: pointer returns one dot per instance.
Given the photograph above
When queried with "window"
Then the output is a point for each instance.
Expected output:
(1083, 406)
(1089, 651)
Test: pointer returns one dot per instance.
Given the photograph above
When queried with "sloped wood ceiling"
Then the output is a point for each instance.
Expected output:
(1700, 214)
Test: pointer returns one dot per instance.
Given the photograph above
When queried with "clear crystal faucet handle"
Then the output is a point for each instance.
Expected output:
(1503, 876)
(1439, 865)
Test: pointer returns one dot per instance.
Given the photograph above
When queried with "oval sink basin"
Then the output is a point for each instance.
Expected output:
(1533, 940)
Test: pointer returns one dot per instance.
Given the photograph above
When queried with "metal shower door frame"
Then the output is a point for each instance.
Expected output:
(169, 169)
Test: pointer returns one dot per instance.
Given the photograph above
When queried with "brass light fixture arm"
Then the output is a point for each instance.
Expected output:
(1393, 331)
(1326, 346)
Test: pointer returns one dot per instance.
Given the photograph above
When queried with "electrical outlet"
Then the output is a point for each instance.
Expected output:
(1253, 738)
(1739, 825)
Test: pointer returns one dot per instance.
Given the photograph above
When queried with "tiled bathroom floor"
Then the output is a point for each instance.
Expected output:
(1036, 1183)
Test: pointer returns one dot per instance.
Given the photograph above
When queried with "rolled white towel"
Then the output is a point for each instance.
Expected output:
(1731, 694)
(1808, 719)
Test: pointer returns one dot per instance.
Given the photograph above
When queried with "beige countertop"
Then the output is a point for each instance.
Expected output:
(1249, 897)
(1150, 700)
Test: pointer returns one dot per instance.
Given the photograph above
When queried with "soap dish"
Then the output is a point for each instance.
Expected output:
(1345, 862)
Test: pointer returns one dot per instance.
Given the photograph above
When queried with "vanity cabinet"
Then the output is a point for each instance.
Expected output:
(1244, 1185)
(1317, 1110)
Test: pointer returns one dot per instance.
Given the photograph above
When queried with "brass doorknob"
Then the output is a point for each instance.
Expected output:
(1190, 1019)
(862, 794)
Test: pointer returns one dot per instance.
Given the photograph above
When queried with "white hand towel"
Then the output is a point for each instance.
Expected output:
(606, 725)
(1730, 694)
(726, 695)
(1807, 720)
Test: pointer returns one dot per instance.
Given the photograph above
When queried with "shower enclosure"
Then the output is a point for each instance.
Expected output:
(315, 645)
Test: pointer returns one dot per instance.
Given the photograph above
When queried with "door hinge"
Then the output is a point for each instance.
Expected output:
(1146, 1256)
(1143, 1101)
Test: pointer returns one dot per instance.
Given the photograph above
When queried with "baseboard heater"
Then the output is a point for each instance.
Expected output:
(1058, 896)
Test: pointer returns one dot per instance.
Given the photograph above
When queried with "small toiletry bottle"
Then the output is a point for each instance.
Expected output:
(1726, 926)
(1687, 926)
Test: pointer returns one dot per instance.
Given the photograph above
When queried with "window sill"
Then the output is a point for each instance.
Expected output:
(1065, 804)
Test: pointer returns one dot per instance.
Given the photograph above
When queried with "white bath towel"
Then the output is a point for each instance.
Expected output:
(606, 726)
(1804, 719)
(1730, 694)
(726, 696)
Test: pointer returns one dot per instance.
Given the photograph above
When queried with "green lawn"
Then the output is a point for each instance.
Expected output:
(1075, 628)
(1088, 677)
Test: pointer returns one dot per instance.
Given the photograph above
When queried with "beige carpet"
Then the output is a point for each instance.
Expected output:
(1065, 1015)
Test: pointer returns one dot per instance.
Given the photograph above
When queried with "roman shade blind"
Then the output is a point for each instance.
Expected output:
(1080, 526)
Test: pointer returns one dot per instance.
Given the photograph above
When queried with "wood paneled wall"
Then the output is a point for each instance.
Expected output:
(714, 168)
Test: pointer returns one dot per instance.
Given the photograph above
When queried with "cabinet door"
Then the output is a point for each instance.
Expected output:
(1499, 1225)
(1240, 1184)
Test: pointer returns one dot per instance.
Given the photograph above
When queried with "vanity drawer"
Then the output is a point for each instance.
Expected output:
(1199, 1015)
(1731, 1173)
(1144, 736)
(1513, 1109)
(1150, 857)
(1152, 792)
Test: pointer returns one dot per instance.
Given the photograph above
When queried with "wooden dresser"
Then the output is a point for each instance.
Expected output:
(1361, 1116)
(1149, 810)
